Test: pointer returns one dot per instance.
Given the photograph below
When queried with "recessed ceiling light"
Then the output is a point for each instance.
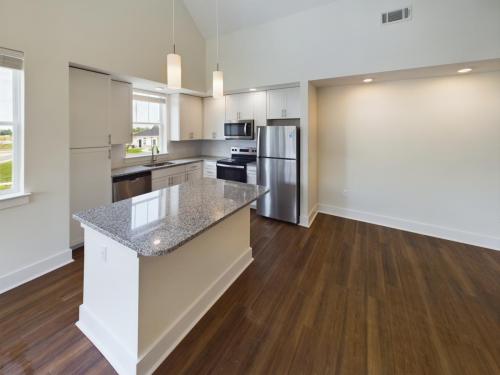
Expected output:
(160, 89)
(464, 70)
(368, 80)
(156, 242)
(252, 89)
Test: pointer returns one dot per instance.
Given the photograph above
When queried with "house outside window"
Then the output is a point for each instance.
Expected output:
(11, 122)
(149, 128)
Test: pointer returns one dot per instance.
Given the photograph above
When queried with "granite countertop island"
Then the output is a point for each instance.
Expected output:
(155, 264)
(159, 222)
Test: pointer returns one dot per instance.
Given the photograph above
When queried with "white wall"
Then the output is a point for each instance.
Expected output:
(346, 38)
(313, 152)
(121, 36)
(422, 155)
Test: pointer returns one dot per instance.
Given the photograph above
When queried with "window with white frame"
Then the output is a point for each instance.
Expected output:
(11, 122)
(149, 129)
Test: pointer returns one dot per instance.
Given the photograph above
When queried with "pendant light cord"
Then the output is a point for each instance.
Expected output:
(173, 23)
(217, 25)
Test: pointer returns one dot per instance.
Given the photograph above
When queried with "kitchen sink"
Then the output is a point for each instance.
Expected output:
(161, 164)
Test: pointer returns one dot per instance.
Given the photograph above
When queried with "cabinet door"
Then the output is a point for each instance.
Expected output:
(193, 175)
(159, 183)
(89, 96)
(213, 118)
(260, 114)
(191, 117)
(246, 106)
(121, 113)
(292, 102)
(90, 184)
(275, 104)
(232, 108)
(186, 117)
(177, 179)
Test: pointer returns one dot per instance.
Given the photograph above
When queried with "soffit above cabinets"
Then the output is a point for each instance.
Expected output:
(240, 14)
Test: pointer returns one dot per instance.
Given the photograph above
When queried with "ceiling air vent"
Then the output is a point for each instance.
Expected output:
(398, 15)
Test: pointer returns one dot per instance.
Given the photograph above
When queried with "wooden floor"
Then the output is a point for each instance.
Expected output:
(343, 297)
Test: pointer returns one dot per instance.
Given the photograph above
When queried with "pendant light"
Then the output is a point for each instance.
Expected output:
(218, 76)
(173, 60)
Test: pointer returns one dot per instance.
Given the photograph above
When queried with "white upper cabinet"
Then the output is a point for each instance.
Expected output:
(121, 113)
(239, 107)
(213, 118)
(283, 103)
(186, 117)
(260, 113)
(89, 94)
(246, 106)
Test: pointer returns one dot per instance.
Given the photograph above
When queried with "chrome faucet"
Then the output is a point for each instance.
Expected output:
(154, 158)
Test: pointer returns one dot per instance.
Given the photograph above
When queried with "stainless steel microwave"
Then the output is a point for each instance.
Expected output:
(239, 130)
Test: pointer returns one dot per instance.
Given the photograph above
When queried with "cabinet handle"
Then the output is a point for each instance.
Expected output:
(284, 113)
(109, 154)
(109, 139)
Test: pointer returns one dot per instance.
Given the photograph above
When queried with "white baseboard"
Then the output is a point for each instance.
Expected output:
(470, 238)
(307, 220)
(34, 270)
(125, 362)
(111, 348)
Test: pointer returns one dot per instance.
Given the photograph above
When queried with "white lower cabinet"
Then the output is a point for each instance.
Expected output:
(172, 176)
(252, 179)
(210, 169)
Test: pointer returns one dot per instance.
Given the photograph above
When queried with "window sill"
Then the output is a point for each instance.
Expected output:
(14, 200)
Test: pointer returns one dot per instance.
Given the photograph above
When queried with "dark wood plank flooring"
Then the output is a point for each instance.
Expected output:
(343, 297)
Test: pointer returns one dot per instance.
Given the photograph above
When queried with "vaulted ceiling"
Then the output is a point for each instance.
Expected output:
(240, 14)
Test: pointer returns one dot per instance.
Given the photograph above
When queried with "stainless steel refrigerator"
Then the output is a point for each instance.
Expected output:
(278, 163)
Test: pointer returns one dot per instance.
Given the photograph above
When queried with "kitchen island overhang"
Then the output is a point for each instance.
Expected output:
(156, 263)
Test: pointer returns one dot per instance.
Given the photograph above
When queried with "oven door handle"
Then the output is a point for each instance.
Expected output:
(231, 166)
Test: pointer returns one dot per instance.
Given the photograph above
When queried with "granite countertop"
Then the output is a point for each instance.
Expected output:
(141, 168)
(159, 222)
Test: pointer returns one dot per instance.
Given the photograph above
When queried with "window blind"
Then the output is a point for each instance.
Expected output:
(11, 59)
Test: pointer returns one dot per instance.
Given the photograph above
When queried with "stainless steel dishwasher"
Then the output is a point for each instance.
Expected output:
(131, 185)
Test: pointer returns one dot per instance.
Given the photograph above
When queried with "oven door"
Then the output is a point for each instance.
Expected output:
(232, 172)
(239, 130)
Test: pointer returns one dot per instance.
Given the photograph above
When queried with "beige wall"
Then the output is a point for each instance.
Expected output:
(423, 155)
(121, 36)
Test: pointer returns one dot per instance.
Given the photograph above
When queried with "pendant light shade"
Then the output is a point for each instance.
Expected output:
(218, 76)
(218, 84)
(174, 69)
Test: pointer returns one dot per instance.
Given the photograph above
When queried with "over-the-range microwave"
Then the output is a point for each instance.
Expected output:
(239, 130)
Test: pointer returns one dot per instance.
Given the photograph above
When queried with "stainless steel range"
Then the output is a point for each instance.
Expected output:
(235, 168)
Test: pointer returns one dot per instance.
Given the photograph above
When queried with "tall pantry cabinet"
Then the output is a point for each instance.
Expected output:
(99, 114)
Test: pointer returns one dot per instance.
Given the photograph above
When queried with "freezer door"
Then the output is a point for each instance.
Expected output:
(280, 177)
(277, 142)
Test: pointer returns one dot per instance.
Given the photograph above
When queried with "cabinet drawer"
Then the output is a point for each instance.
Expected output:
(209, 174)
(193, 166)
(159, 173)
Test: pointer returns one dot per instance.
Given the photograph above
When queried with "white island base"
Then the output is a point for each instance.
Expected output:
(136, 309)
